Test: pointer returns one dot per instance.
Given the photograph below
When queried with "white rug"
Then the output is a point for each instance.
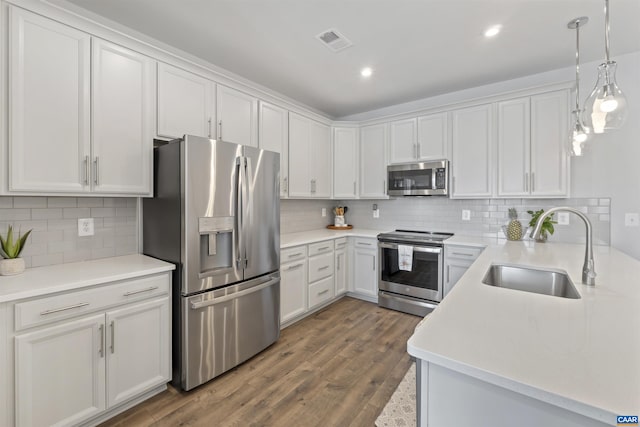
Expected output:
(400, 410)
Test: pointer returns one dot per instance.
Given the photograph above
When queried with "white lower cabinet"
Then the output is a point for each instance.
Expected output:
(365, 267)
(293, 283)
(79, 359)
(321, 273)
(457, 260)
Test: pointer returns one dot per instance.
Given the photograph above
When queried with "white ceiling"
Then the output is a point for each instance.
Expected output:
(417, 48)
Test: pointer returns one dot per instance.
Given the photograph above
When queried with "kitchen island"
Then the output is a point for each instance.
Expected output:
(503, 357)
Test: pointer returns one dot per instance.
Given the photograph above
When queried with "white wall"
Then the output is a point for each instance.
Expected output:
(611, 166)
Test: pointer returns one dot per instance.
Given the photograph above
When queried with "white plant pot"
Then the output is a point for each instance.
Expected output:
(10, 267)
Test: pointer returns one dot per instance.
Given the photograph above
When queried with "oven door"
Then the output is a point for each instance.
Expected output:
(423, 281)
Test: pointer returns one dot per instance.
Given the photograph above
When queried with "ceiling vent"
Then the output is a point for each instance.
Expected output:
(334, 40)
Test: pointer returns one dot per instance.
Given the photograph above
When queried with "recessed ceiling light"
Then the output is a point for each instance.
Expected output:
(492, 31)
(366, 72)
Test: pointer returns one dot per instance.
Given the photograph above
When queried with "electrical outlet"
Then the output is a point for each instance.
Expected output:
(466, 215)
(563, 218)
(323, 212)
(631, 220)
(85, 227)
(376, 213)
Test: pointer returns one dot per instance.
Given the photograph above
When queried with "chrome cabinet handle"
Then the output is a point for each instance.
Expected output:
(86, 170)
(101, 349)
(364, 244)
(461, 254)
(323, 292)
(526, 181)
(293, 267)
(57, 310)
(286, 185)
(96, 170)
(354, 188)
(139, 291)
(374, 263)
(294, 255)
(415, 150)
(113, 336)
(338, 262)
(418, 145)
(448, 271)
(533, 182)
(220, 129)
(209, 127)
(323, 268)
(384, 187)
(324, 248)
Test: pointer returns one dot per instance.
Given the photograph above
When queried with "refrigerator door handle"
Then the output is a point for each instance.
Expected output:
(247, 208)
(235, 295)
(239, 213)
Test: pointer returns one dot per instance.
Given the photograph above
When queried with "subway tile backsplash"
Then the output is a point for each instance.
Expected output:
(305, 215)
(54, 221)
(487, 216)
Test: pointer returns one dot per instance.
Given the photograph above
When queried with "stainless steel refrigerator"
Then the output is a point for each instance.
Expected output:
(216, 215)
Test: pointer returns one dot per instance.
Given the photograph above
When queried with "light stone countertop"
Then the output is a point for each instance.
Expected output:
(579, 354)
(305, 237)
(40, 281)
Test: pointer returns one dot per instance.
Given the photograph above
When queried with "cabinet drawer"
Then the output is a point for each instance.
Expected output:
(293, 254)
(340, 243)
(365, 243)
(320, 292)
(463, 252)
(321, 247)
(51, 309)
(320, 266)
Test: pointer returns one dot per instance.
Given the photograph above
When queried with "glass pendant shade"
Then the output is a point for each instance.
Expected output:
(606, 108)
(578, 136)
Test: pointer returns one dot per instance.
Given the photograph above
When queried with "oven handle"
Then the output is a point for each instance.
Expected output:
(432, 250)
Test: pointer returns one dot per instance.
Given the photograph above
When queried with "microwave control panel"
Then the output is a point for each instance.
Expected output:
(441, 178)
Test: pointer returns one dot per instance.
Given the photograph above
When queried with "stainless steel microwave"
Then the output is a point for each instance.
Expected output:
(419, 179)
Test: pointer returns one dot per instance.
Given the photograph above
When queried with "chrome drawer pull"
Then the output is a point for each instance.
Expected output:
(323, 292)
(56, 310)
(294, 255)
(323, 268)
(126, 294)
(460, 253)
(113, 336)
(364, 244)
(324, 248)
(101, 350)
(293, 267)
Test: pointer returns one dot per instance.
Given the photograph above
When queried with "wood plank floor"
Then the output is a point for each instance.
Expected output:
(337, 367)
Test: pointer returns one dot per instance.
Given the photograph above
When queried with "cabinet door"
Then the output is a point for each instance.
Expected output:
(60, 373)
(123, 119)
(237, 116)
(185, 103)
(433, 137)
(299, 146)
(365, 272)
(472, 145)
(340, 272)
(293, 290)
(138, 348)
(454, 270)
(549, 134)
(373, 161)
(49, 132)
(274, 136)
(320, 161)
(345, 163)
(513, 147)
(404, 141)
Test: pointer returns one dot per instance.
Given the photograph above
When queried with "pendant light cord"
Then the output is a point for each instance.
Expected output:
(578, 66)
(606, 28)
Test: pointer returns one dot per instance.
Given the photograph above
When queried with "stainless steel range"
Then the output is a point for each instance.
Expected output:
(411, 265)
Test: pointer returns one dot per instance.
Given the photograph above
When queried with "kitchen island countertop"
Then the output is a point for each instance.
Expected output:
(582, 355)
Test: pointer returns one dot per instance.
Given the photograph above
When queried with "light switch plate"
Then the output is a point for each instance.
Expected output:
(563, 218)
(323, 212)
(376, 213)
(466, 215)
(85, 227)
(631, 219)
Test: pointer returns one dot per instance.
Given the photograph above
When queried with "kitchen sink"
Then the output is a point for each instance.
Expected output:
(540, 281)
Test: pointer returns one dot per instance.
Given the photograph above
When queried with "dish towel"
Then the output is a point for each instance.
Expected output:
(405, 257)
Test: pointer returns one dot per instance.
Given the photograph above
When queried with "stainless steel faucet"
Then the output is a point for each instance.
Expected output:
(588, 269)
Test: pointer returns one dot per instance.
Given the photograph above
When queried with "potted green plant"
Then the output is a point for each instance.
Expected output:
(547, 225)
(10, 250)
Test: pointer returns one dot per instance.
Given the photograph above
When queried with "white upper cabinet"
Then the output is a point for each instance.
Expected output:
(345, 163)
(237, 116)
(309, 158)
(532, 134)
(433, 137)
(273, 135)
(514, 144)
(49, 132)
(404, 141)
(185, 103)
(373, 161)
(123, 100)
(471, 152)
(549, 135)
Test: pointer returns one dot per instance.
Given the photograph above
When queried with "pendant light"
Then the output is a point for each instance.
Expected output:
(606, 108)
(579, 133)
